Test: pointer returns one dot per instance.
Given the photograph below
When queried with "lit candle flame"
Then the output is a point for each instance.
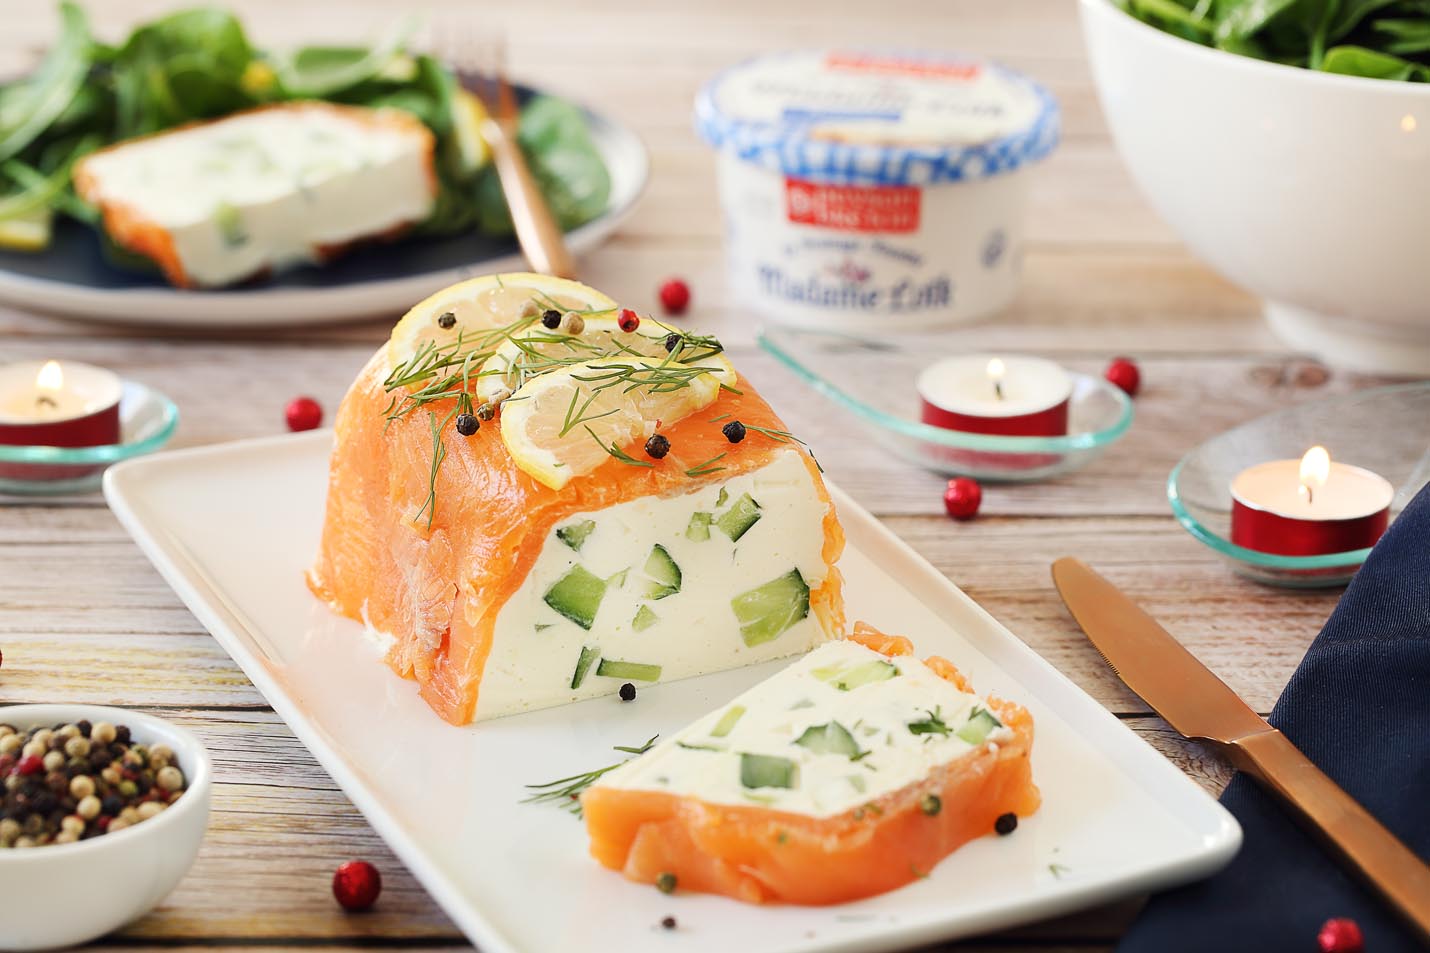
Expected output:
(996, 370)
(48, 383)
(1315, 470)
(51, 377)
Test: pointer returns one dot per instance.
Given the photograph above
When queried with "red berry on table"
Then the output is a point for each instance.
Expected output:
(628, 320)
(303, 413)
(1340, 935)
(30, 764)
(356, 885)
(674, 296)
(962, 497)
(1123, 373)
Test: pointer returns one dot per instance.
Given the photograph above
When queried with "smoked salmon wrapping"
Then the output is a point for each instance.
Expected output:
(759, 855)
(438, 588)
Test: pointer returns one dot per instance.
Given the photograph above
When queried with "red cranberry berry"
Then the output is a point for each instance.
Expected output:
(1123, 373)
(356, 885)
(303, 413)
(1340, 935)
(674, 296)
(628, 320)
(962, 498)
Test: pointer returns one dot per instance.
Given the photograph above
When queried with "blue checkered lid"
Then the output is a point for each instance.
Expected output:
(878, 118)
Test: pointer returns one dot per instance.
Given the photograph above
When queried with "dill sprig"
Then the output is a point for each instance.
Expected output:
(567, 791)
(779, 436)
(617, 452)
(932, 725)
(701, 469)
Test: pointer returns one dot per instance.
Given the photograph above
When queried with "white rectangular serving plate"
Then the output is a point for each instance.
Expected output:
(233, 527)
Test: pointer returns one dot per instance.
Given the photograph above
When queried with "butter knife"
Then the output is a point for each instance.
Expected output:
(1199, 705)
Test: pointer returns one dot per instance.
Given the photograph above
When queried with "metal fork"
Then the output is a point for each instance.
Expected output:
(479, 64)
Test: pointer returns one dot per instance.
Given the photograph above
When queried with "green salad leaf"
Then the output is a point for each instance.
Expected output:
(200, 64)
(1380, 39)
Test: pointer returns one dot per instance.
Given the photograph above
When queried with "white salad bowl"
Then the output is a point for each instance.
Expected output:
(64, 894)
(1310, 189)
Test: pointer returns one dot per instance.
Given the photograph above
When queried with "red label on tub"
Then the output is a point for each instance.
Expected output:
(864, 63)
(853, 208)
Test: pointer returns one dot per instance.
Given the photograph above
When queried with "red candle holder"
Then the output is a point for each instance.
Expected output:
(77, 407)
(1273, 511)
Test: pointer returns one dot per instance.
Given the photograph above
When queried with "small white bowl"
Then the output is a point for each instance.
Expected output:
(1307, 188)
(64, 894)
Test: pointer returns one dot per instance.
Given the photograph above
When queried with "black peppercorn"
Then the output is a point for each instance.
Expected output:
(121, 734)
(628, 692)
(672, 341)
(1006, 823)
(551, 319)
(668, 923)
(657, 446)
(467, 424)
(111, 804)
(446, 320)
(665, 883)
(734, 431)
(84, 727)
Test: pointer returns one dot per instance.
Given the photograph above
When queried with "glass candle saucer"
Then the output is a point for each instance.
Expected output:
(147, 420)
(874, 379)
(1386, 430)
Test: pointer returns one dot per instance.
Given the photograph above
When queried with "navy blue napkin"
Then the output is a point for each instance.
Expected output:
(1359, 707)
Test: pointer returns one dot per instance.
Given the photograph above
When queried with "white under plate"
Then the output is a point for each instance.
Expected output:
(232, 528)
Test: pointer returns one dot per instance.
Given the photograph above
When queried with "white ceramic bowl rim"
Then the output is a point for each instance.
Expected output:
(1266, 67)
(193, 759)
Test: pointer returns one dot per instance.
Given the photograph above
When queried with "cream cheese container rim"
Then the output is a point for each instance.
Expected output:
(799, 143)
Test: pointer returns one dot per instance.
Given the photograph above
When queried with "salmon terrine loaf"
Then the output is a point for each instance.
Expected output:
(850, 773)
(537, 497)
(215, 203)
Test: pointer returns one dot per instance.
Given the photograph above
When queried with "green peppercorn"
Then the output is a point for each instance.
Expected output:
(931, 804)
(486, 412)
(665, 883)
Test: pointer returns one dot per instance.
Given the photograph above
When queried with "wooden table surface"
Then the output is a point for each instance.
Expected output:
(84, 618)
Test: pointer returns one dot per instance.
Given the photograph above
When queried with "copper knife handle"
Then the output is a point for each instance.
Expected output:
(1348, 829)
(541, 239)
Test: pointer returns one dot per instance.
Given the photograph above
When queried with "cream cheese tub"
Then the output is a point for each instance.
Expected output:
(874, 191)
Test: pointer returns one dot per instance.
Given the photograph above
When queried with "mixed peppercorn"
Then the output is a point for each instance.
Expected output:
(75, 781)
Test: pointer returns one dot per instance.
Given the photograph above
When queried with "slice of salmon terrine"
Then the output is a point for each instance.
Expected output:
(599, 528)
(218, 202)
(850, 773)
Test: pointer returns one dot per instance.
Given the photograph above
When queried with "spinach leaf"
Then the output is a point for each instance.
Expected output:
(1406, 36)
(1359, 61)
(32, 105)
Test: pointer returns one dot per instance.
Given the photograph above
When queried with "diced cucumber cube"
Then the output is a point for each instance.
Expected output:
(737, 520)
(766, 771)
(645, 618)
(574, 534)
(577, 595)
(831, 738)
(698, 529)
(846, 679)
(662, 574)
(727, 721)
(980, 723)
(589, 654)
(641, 672)
(856, 782)
(765, 612)
(617, 579)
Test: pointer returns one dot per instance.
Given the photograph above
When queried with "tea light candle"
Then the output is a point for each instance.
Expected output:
(1308, 507)
(1009, 395)
(51, 404)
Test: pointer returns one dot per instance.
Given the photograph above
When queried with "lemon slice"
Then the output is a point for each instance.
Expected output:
(28, 232)
(479, 307)
(539, 350)
(468, 114)
(567, 422)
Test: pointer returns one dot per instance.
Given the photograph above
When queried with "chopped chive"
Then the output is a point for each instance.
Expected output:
(727, 721)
